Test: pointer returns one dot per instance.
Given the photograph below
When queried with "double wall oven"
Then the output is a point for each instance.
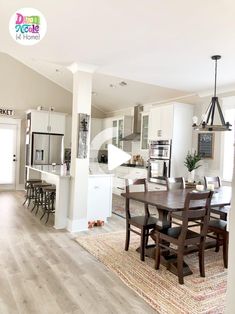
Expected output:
(159, 164)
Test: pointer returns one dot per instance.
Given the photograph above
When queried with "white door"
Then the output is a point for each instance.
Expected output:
(7, 156)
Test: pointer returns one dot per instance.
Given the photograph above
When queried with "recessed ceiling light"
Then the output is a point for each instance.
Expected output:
(58, 71)
(123, 83)
(112, 86)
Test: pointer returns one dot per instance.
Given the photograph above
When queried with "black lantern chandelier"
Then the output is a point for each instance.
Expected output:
(207, 123)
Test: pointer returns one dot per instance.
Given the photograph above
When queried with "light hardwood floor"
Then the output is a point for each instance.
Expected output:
(44, 270)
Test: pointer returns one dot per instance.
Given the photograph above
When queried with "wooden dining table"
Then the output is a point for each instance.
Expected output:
(167, 202)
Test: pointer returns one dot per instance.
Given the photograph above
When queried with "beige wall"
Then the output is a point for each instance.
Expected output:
(21, 88)
(96, 113)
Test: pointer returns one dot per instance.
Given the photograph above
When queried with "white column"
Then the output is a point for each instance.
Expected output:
(82, 91)
(230, 306)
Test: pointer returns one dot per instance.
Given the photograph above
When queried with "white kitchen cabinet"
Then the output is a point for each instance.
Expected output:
(121, 173)
(144, 131)
(173, 121)
(47, 122)
(161, 122)
(122, 126)
(99, 197)
(156, 187)
(56, 122)
(39, 121)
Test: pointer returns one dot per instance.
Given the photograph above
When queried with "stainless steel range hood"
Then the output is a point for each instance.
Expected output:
(135, 135)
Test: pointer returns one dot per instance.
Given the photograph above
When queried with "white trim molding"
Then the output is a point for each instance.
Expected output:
(77, 225)
(83, 67)
(17, 122)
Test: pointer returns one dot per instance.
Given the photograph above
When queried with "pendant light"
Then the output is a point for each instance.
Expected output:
(207, 123)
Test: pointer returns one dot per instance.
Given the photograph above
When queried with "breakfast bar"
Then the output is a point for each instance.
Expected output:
(61, 179)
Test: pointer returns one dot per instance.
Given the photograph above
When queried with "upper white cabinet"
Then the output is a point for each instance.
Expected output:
(122, 126)
(144, 131)
(161, 122)
(39, 121)
(47, 122)
(57, 122)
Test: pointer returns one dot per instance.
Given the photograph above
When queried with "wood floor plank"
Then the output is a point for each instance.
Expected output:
(46, 272)
(7, 300)
(25, 300)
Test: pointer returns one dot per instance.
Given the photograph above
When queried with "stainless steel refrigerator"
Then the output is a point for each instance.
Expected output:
(47, 149)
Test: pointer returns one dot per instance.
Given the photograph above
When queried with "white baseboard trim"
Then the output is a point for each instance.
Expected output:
(77, 225)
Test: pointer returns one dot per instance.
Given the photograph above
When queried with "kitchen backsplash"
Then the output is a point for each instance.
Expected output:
(137, 151)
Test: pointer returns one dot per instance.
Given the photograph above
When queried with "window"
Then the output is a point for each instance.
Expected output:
(228, 153)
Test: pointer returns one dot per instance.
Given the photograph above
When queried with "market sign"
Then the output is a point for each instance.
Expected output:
(6, 112)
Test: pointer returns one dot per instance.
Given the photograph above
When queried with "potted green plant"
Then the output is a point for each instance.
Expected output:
(191, 162)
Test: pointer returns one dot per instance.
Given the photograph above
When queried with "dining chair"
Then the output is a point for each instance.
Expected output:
(219, 228)
(175, 183)
(221, 211)
(212, 180)
(181, 236)
(144, 223)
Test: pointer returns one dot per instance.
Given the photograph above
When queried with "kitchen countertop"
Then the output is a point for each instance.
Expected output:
(134, 166)
(105, 165)
(97, 168)
(57, 170)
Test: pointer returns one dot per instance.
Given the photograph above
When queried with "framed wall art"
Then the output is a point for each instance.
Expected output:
(206, 145)
(83, 133)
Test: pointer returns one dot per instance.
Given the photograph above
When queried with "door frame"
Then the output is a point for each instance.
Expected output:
(17, 122)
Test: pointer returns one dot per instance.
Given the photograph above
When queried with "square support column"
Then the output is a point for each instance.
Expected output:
(82, 91)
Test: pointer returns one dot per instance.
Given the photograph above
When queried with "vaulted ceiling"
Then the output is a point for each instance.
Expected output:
(164, 43)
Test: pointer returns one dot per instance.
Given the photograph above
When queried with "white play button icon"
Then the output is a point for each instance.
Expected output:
(116, 157)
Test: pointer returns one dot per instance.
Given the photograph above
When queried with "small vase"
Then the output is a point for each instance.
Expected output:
(191, 176)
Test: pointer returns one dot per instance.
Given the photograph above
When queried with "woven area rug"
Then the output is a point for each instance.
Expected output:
(160, 288)
(136, 208)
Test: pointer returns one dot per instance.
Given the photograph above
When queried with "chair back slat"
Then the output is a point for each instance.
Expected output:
(196, 214)
(175, 183)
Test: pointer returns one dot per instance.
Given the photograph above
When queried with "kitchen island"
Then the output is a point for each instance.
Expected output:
(61, 179)
(99, 203)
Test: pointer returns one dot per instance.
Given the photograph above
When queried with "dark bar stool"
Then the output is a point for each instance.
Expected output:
(38, 194)
(49, 194)
(29, 190)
